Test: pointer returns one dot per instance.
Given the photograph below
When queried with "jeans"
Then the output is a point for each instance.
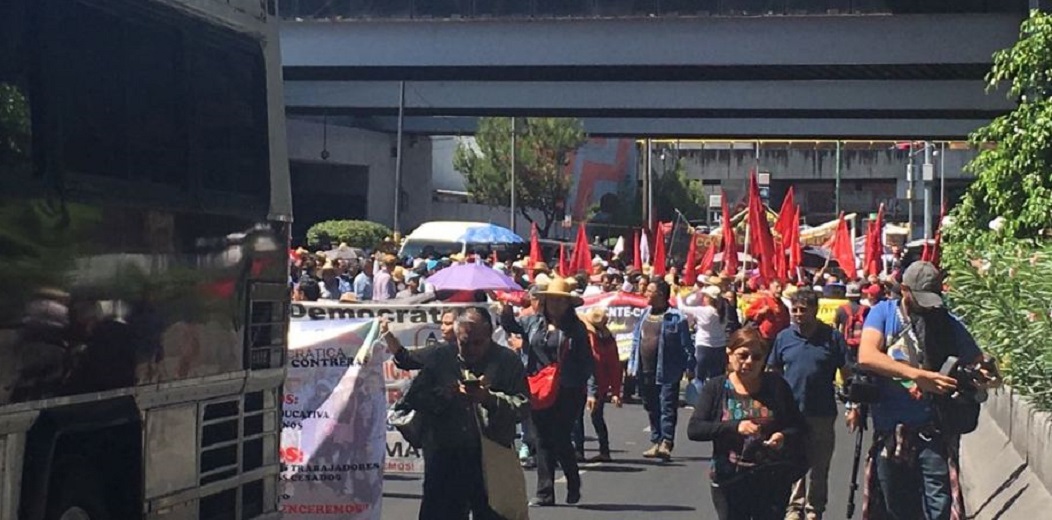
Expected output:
(712, 362)
(552, 434)
(598, 423)
(662, 405)
(811, 493)
(453, 486)
(921, 490)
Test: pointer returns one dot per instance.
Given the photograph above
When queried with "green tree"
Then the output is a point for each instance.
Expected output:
(673, 190)
(1014, 168)
(543, 148)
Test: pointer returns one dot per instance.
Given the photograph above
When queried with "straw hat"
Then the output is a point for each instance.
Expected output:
(559, 287)
(595, 316)
(398, 274)
(542, 280)
(716, 280)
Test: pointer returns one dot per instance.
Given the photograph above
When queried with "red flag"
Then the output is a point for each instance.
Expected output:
(564, 267)
(796, 253)
(730, 243)
(637, 260)
(706, 261)
(843, 250)
(781, 263)
(784, 226)
(690, 275)
(785, 215)
(658, 263)
(535, 249)
(582, 254)
(761, 243)
(874, 251)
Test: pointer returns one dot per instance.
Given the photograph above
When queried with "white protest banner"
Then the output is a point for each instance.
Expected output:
(414, 326)
(333, 428)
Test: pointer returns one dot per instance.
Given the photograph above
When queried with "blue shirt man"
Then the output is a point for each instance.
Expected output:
(808, 354)
(901, 343)
(363, 283)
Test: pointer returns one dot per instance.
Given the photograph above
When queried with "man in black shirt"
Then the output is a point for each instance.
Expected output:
(477, 388)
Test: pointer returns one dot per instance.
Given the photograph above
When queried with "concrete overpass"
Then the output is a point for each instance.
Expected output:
(847, 76)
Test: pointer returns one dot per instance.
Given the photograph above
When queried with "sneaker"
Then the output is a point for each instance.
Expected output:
(664, 451)
(573, 496)
(524, 452)
(652, 453)
(528, 463)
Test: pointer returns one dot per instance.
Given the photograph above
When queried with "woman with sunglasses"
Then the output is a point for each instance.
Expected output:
(756, 430)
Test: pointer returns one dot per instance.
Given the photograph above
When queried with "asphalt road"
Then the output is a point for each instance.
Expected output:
(632, 486)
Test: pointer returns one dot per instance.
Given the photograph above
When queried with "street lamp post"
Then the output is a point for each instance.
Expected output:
(398, 159)
(909, 194)
(514, 152)
(928, 177)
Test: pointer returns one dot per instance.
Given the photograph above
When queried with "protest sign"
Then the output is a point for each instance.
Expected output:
(333, 431)
(414, 326)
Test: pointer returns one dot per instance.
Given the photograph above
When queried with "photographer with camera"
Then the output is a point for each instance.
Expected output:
(919, 414)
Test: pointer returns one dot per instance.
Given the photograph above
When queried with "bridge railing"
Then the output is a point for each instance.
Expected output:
(488, 9)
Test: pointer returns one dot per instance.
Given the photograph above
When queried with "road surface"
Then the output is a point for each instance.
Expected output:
(632, 486)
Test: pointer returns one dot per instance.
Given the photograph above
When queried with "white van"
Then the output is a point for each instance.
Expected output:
(444, 238)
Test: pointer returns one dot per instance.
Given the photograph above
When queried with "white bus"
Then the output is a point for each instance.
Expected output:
(144, 210)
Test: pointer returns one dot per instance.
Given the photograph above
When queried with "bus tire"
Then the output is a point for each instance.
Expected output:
(81, 496)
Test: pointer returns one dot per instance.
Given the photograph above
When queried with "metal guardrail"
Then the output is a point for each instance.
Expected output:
(487, 9)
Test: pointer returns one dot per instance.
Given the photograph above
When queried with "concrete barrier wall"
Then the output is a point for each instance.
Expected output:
(1006, 464)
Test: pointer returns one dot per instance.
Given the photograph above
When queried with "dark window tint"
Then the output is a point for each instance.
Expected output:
(231, 115)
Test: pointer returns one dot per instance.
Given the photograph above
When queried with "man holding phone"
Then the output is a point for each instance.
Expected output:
(464, 392)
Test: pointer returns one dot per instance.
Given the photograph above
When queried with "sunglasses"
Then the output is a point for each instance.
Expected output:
(745, 356)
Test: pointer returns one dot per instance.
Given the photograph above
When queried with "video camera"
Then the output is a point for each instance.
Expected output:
(862, 388)
(970, 377)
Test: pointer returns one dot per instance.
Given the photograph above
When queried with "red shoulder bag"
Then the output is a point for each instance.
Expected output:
(544, 385)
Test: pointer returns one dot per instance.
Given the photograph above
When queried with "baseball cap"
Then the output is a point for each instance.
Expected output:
(925, 284)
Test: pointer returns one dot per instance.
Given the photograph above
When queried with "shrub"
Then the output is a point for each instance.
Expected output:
(1001, 289)
(355, 233)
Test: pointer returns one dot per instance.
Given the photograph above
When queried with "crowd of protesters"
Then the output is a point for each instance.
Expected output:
(765, 375)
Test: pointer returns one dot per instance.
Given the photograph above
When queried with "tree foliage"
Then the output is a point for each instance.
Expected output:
(1003, 294)
(674, 191)
(355, 233)
(998, 277)
(543, 148)
(1014, 168)
(14, 125)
